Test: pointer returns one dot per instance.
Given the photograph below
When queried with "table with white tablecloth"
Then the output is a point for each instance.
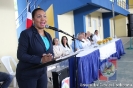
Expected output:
(89, 60)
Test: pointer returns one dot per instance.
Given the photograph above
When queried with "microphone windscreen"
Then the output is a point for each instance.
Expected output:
(46, 26)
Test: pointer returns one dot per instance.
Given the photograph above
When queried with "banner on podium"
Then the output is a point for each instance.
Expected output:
(65, 83)
(108, 70)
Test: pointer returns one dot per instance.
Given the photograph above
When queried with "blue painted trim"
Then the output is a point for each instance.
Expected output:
(21, 6)
(106, 24)
(79, 17)
(56, 24)
(45, 5)
(108, 5)
(127, 4)
(69, 5)
(84, 26)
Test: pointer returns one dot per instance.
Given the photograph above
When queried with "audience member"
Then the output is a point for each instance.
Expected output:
(67, 48)
(65, 45)
(96, 36)
(89, 36)
(6, 79)
(58, 49)
(78, 43)
(86, 42)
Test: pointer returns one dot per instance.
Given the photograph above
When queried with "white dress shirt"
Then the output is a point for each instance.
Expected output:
(86, 43)
(96, 38)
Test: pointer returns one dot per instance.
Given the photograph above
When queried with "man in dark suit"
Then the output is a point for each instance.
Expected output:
(34, 48)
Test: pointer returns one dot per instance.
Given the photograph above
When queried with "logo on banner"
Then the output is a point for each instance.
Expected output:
(108, 70)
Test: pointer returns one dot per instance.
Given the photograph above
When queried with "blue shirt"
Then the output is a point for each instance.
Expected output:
(78, 45)
(46, 42)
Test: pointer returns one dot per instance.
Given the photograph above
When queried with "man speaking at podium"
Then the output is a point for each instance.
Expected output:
(34, 48)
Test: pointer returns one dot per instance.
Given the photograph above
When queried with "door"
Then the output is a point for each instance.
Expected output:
(94, 25)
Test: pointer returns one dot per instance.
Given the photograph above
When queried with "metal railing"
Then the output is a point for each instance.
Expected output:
(121, 3)
(22, 17)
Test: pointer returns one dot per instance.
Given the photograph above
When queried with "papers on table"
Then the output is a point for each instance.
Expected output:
(67, 56)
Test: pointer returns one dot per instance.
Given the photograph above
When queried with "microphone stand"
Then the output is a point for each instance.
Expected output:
(73, 38)
(76, 66)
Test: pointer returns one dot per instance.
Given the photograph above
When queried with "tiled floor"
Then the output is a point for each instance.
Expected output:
(124, 70)
(125, 40)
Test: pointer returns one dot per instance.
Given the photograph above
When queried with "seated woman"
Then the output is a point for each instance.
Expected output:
(67, 49)
(58, 49)
(65, 45)
(96, 36)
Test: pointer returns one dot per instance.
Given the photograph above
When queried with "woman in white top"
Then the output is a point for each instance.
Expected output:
(96, 37)
(65, 45)
(58, 49)
(67, 48)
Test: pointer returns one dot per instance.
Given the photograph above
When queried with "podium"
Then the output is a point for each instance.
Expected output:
(58, 75)
(55, 60)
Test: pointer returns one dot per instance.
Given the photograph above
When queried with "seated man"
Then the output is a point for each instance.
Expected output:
(78, 44)
(89, 36)
(6, 79)
(86, 42)
(96, 36)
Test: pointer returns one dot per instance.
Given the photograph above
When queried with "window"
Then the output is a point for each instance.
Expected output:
(89, 20)
(99, 21)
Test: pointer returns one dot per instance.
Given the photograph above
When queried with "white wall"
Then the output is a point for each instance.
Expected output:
(120, 26)
(111, 28)
(94, 16)
(8, 36)
(66, 23)
(131, 10)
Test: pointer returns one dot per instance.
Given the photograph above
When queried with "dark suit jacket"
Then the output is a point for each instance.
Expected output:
(90, 38)
(30, 50)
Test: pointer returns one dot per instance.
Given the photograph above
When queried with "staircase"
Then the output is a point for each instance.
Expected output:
(22, 17)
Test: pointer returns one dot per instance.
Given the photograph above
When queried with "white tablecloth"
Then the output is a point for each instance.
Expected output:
(105, 50)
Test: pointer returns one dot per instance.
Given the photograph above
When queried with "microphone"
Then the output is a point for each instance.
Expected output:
(53, 28)
(56, 29)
